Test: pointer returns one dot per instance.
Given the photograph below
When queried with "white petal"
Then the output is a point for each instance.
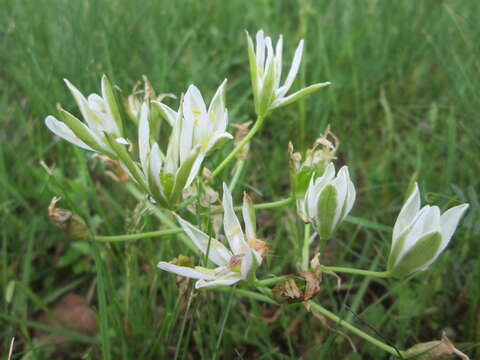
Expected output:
(341, 185)
(62, 130)
(247, 263)
(224, 281)
(155, 164)
(214, 139)
(217, 104)
(217, 253)
(351, 195)
(184, 271)
(122, 141)
(247, 218)
(231, 225)
(166, 112)
(409, 211)
(415, 231)
(260, 50)
(326, 178)
(297, 59)
(144, 137)
(90, 118)
(278, 62)
(449, 222)
(311, 200)
(196, 166)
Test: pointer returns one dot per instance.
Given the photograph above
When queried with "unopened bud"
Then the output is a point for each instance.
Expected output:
(433, 350)
(71, 224)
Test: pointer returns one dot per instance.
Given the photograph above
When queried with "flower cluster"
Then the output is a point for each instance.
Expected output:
(323, 196)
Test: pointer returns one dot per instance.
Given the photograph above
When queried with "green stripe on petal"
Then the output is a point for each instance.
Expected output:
(396, 250)
(418, 255)
(327, 208)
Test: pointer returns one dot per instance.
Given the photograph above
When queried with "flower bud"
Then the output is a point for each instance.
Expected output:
(314, 164)
(420, 235)
(328, 200)
(72, 224)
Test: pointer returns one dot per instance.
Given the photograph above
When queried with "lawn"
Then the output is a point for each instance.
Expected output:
(404, 103)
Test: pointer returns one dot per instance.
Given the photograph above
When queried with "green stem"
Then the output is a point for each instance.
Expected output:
(115, 238)
(270, 281)
(271, 205)
(258, 124)
(356, 331)
(379, 274)
(236, 175)
(306, 248)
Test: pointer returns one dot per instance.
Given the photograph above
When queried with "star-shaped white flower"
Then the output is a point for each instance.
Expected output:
(237, 263)
(206, 128)
(266, 73)
(101, 116)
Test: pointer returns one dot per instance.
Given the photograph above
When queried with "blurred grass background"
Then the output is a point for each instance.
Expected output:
(404, 100)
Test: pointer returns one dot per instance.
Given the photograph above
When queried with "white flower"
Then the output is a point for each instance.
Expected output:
(420, 235)
(266, 73)
(163, 177)
(328, 200)
(206, 128)
(234, 264)
(101, 116)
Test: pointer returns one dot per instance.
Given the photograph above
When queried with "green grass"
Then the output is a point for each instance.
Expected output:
(404, 100)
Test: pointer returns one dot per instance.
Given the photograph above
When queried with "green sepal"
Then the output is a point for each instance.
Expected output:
(302, 93)
(419, 254)
(327, 207)
(156, 192)
(125, 158)
(109, 97)
(80, 129)
(167, 181)
(182, 175)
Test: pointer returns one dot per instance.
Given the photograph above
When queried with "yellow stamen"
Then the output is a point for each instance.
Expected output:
(196, 111)
(212, 116)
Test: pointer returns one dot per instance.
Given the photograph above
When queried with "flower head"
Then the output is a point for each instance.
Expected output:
(236, 263)
(420, 235)
(266, 73)
(101, 116)
(328, 200)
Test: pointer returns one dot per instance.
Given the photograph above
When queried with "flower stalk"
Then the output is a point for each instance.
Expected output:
(390, 349)
(258, 124)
